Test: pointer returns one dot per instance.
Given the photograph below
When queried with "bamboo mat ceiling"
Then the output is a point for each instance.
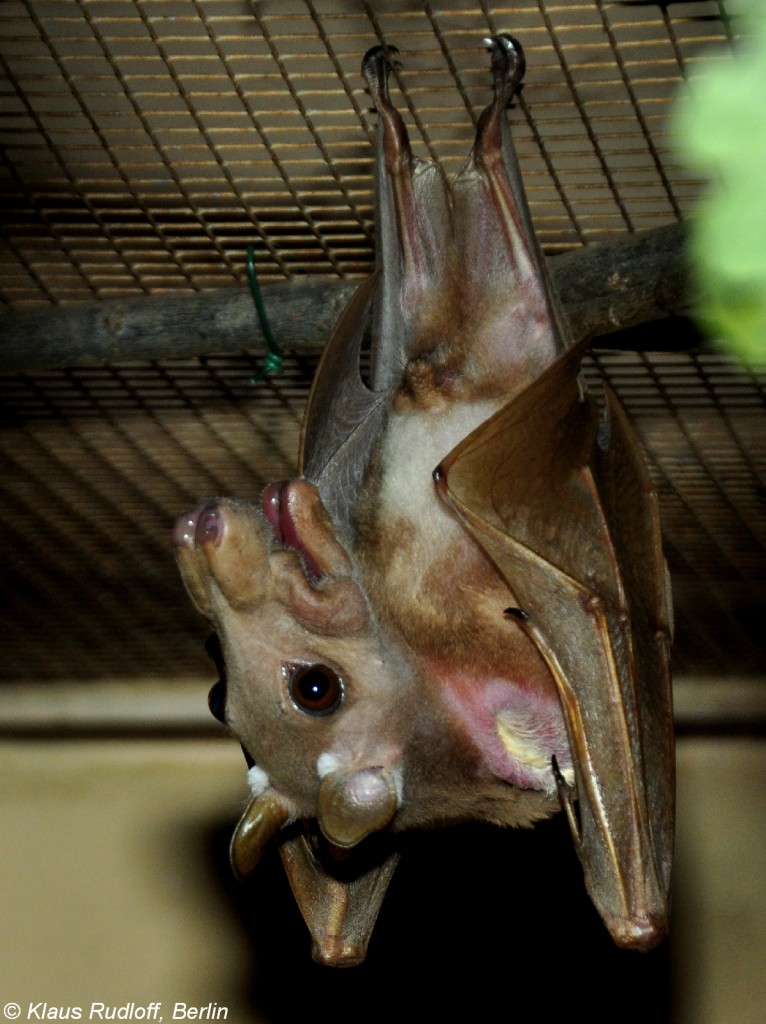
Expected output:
(147, 143)
(150, 141)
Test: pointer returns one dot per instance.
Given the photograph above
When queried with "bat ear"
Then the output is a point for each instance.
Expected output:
(264, 816)
(351, 805)
(339, 892)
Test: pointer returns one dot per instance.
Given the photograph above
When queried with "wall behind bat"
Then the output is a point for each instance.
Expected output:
(114, 887)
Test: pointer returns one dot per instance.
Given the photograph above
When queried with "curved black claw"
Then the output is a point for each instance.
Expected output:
(377, 65)
(508, 65)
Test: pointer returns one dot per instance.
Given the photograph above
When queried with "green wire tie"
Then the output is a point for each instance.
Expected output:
(274, 358)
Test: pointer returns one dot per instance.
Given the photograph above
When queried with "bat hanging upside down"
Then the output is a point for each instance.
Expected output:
(459, 610)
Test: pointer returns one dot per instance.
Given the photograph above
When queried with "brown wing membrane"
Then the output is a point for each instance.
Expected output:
(564, 507)
(343, 417)
(339, 901)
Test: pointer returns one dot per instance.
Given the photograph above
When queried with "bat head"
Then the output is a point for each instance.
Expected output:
(346, 740)
(313, 690)
(336, 714)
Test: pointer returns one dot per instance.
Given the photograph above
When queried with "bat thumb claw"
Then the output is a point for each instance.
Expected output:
(567, 796)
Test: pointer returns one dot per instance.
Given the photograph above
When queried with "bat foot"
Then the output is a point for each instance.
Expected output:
(508, 65)
(377, 65)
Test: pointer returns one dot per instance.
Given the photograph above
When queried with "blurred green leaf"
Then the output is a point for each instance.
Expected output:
(720, 129)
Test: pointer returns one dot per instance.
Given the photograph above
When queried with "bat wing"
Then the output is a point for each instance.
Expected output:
(339, 901)
(344, 417)
(560, 498)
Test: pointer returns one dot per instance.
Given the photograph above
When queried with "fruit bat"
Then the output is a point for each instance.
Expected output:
(459, 610)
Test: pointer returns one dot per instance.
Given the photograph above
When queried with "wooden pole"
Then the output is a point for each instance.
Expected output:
(604, 288)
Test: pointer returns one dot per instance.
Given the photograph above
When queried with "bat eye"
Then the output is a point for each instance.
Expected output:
(316, 689)
(216, 700)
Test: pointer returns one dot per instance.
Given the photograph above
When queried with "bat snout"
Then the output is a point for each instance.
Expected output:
(222, 543)
(185, 531)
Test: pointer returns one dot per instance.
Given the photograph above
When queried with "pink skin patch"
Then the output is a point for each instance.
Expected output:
(276, 508)
(536, 718)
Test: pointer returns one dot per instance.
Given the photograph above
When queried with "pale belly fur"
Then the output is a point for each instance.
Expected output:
(446, 597)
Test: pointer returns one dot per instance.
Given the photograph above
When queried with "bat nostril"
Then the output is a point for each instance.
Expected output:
(202, 525)
(210, 526)
(184, 531)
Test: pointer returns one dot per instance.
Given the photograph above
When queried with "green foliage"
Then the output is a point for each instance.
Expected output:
(720, 128)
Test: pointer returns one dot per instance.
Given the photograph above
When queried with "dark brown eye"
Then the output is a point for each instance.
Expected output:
(316, 689)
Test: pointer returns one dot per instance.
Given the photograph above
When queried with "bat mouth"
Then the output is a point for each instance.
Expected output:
(276, 504)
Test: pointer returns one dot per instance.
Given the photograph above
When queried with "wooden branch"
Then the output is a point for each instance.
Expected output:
(616, 285)
(604, 288)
